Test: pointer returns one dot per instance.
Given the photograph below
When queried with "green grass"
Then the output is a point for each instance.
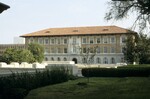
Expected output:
(98, 88)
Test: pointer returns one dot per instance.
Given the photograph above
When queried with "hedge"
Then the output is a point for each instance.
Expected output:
(116, 72)
(17, 86)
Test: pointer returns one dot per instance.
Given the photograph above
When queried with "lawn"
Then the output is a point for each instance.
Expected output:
(98, 88)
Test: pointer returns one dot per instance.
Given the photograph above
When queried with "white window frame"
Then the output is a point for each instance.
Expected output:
(91, 40)
(84, 40)
(99, 40)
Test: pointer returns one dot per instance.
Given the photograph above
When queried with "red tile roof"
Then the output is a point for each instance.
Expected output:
(91, 30)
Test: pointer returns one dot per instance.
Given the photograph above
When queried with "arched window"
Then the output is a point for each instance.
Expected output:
(112, 60)
(65, 59)
(98, 60)
(84, 60)
(52, 59)
(46, 59)
(105, 60)
(58, 59)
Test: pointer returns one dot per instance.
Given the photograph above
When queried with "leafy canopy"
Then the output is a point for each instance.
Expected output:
(120, 9)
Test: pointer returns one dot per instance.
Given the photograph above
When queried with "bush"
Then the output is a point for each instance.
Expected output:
(119, 72)
(17, 85)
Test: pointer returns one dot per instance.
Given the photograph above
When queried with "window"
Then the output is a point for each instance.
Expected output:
(52, 59)
(112, 50)
(52, 41)
(65, 50)
(113, 60)
(46, 50)
(65, 59)
(123, 49)
(98, 40)
(65, 41)
(98, 50)
(105, 60)
(91, 50)
(84, 50)
(59, 50)
(58, 41)
(74, 40)
(105, 40)
(105, 50)
(40, 41)
(112, 39)
(52, 50)
(91, 40)
(74, 49)
(46, 41)
(123, 39)
(84, 60)
(58, 59)
(46, 59)
(98, 60)
(84, 40)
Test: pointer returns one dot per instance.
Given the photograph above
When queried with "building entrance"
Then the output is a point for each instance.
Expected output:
(75, 60)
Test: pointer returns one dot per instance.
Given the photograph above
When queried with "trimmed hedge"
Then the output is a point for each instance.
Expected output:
(17, 86)
(116, 72)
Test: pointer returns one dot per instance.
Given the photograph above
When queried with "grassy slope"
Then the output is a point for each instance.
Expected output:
(98, 88)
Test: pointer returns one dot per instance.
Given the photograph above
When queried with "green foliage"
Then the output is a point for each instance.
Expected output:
(18, 85)
(129, 50)
(15, 55)
(119, 72)
(120, 9)
(138, 49)
(37, 51)
(143, 48)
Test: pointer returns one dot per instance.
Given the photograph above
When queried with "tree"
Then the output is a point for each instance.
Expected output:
(143, 48)
(119, 9)
(15, 55)
(130, 49)
(87, 55)
(137, 49)
(37, 51)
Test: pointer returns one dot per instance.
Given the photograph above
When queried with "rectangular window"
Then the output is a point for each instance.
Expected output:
(52, 41)
(91, 50)
(84, 50)
(112, 49)
(74, 40)
(105, 40)
(98, 50)
(123, 39)
(58, 41)
(40, 41)
(52, 50)
(74, 49)
(65, 41)
(46, 50)
(98, 40)
(84, 40)
(105, 50)
(46, 41)
(65, 50)
(58, 50)
(91, 40)
(112, 39)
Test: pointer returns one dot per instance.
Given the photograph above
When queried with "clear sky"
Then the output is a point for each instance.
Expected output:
(26, 16)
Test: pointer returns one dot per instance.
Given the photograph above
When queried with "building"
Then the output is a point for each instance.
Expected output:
(3, 47)
(62, 44)
(19, 40)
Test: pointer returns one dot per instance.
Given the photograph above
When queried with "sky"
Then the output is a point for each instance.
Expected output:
(27, 16)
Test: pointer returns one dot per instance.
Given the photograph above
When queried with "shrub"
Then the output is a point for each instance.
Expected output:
(113, 72)
(17, 85)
